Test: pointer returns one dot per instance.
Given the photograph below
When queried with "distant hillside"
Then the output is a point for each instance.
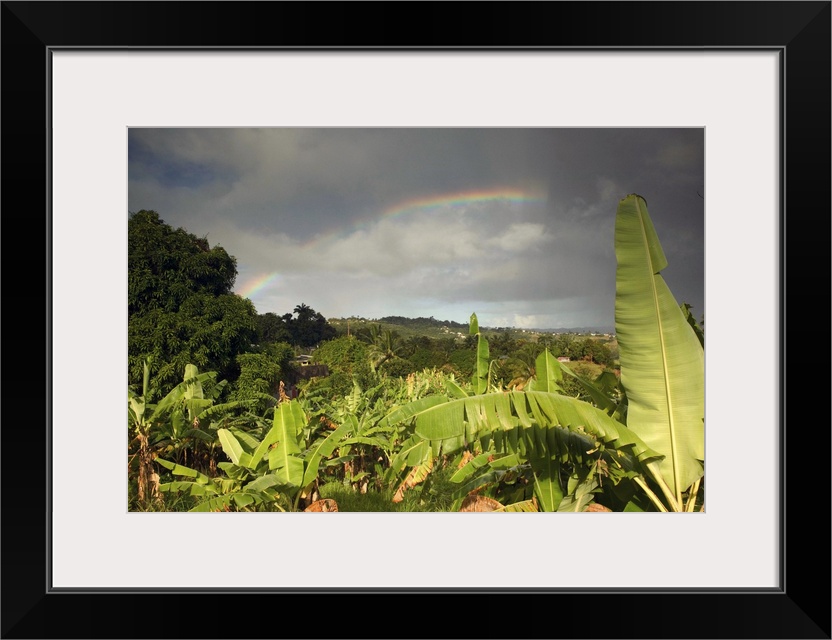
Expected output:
(423, 323)
(433, 328)
(580, 330)
(405, 327)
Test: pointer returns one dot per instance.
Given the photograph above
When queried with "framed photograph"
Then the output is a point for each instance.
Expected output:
(103, 99)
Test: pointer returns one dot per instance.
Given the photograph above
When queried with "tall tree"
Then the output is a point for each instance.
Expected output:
(308, 327)
(167, 265)
(272, 328)
(180, 306)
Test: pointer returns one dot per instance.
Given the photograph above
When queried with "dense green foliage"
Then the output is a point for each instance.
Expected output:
(180, 306)
(348, 360)
(261, 373)
(166, 266)
(304, 328)
(272, 328)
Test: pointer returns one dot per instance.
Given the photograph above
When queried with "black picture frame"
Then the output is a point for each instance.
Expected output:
(799, 31)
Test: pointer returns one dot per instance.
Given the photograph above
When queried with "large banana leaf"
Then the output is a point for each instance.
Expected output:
(325, 448)
(451, 423)
(183, 391)
(601, 399)
(188, 488)
(404, 412)
(247, 441)
(289, 420)
(662, 360)
(412, 452)
(453, 388)
(179, 470)
(547, 373)
(547, 488)
(233, 449)
(224, 408)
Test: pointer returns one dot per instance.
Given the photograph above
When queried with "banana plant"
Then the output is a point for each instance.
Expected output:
(176, 423)
(281, 461)
(181, 418)
(366, 452)
(552, 434)
(572, 445)
(274, 471)
(218, 493)
(140, 414)
(662, 357)
(164, 423)
(495, 469)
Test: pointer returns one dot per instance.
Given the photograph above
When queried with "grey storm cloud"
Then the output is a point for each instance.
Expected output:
(515, 224)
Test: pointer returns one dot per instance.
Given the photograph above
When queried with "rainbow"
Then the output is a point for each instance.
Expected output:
(435, 202)
(255, 285)
(462, 198)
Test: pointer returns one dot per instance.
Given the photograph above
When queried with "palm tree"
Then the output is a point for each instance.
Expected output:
(384, 344)
(304, 312)
(519, 367)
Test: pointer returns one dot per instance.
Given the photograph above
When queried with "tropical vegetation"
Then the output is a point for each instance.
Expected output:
(225, 415)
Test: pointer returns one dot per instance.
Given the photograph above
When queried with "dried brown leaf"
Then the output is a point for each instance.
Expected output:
(474, 502)
(326, 505)
(597, 508)
(467, 456)
(417, 474)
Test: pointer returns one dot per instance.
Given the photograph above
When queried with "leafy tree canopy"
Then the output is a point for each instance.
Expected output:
(304, 328)
(261, 373)
(167, 265)
(272, 328)
(308, 327)
(180, 305)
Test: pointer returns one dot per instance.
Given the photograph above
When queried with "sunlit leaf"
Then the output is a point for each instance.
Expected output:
(662, 359)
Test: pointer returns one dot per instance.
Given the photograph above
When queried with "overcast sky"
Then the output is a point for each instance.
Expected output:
(513, 224)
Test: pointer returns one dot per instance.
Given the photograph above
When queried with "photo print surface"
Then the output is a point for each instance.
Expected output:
(416, 319)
